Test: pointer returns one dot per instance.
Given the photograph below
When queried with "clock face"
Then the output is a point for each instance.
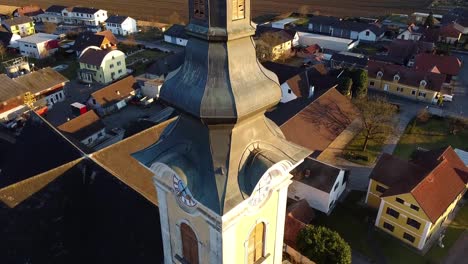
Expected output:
(182, 192)
(262, 190)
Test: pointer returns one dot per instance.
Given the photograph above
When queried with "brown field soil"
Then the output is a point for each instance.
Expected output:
(161, 9)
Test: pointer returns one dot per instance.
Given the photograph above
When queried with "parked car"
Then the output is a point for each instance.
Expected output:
(447, 97)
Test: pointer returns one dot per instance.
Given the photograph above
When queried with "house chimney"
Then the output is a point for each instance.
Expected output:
(307, 173)
(117, 92)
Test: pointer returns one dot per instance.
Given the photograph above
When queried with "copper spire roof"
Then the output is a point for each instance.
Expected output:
(222, 143)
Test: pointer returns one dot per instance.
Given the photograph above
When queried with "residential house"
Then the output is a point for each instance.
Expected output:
(299, 82)
(455, 15)
(91, 17)
(275, 44)
(462, 25)
(103, 39)
(121, 25)
(396, 21)
(101, 65)
(309, 52)
(449, 34)
(149, 88)
(448, 65)
(420, 17)
(320, 184)
(23, 26)
(349, 60)
(6, 11)
(414, 32)
(165, 67)
(298, 215)
(53, 14)
(414, 198)
(284, 23)
(326, 42)
(113, 97)
(325, 116)
(176, 35)
(87, 128)
(403, 52)
(32, 11)
(38, 46)
(340, 28)
(44, 85)
(406, 82)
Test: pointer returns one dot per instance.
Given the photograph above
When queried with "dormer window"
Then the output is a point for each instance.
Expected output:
(238, 9)
(396, 78)
(423, 83)
(379, 74)
(199, 9)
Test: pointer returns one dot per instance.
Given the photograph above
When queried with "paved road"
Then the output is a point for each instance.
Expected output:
(157, 44)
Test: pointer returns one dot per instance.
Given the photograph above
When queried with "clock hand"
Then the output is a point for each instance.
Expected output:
(178, 194)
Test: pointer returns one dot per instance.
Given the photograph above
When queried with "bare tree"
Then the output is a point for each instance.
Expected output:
(265, 44)
(378, 118)
(3, 50)
(50, 27)
(175, 18)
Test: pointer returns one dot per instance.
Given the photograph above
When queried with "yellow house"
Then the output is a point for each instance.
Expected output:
(101, 65)
(23, 26)
(414, 198)
(405, 82)
(274, 45)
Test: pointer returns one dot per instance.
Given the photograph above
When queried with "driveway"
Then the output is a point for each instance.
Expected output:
(460, 98)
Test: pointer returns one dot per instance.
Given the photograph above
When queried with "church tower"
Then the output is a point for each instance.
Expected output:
(221, 169)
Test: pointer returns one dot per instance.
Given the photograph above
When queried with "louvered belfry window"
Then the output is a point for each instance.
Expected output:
(199, 9)
(238, 9)
(256, 243)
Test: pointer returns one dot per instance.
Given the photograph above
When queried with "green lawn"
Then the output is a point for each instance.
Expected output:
(351, 220)
(430, 135)
(374, 147)
(369, 49)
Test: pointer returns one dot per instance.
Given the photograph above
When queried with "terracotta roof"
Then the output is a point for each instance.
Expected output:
(320, 122)
(434, 178)
(10, 89)
(116, 159)
(87, 38)
(298, 215)
(449, 65)
(115, 92)
(30, 10)
(42, 80)
(449, 31)
(83, 126)
(400, 51)
(408, 76)
(94, 56)
(321, 176)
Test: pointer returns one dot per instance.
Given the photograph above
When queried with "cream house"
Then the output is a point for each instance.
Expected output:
(101, 65)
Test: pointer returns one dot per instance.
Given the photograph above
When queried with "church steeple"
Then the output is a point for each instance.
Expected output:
(221, 80)
(220, 20)
(221, 168)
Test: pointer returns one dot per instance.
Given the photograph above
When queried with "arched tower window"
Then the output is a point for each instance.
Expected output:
(189, 244)
(199, 9)
(256, 243)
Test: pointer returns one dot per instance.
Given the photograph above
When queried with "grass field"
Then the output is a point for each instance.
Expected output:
(162, 9)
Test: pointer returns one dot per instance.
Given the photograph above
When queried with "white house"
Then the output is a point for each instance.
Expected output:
(121, 25)
(38, 46)
(320, 184)
(113, 97)
(176, 35)
(87, 128)
(84, 16)
(53, 14)
(281, 24)
(326, 42)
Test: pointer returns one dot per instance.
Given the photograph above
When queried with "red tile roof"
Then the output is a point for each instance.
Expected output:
(115, 92)
(434, 178)
(449, 65)
(449, 31)
(298, 215)
(407, 75)
(318, 124)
